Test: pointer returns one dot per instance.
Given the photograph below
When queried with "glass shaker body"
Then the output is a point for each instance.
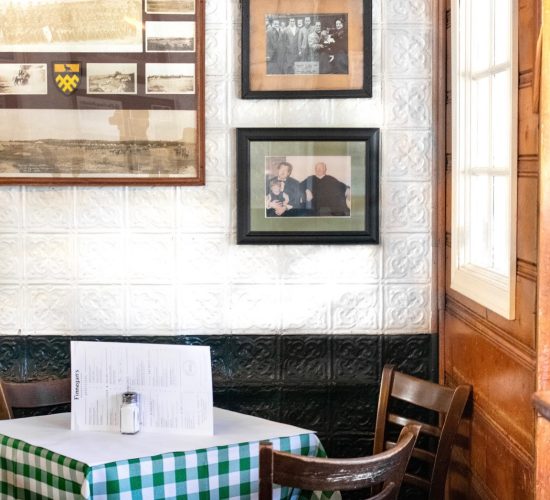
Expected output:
(129, 413)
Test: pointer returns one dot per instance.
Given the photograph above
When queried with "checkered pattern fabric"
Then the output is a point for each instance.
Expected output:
(224, 472)
(32, 472)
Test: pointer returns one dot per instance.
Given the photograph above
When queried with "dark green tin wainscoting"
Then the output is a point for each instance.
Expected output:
(328, 383)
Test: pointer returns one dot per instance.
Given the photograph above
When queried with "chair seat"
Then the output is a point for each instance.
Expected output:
(325, 474)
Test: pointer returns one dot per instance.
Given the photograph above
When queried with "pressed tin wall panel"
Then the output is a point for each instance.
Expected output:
(163, 260)
(267, 375)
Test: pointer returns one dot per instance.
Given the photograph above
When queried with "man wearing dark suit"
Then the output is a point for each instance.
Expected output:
(303, 35)
(274, 49)
(326, 195)
(291, 48)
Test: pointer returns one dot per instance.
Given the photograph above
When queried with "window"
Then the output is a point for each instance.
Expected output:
(484, 78)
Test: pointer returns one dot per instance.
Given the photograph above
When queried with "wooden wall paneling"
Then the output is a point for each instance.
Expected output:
(528, 30)
(503, 377)
(523, 328)
(448, 195)
(543, 459)
(484, 465)
(508, 474)
(527, 225)
(528, 130)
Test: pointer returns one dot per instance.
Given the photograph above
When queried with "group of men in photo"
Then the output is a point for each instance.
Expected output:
(306, 45)
(72, 21)
(318, 195)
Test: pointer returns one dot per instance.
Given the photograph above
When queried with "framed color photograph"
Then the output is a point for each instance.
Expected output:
(303, 49)
(102, 92)
(307, 185)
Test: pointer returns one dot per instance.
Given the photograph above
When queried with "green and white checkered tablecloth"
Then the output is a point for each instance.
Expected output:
(222, 472)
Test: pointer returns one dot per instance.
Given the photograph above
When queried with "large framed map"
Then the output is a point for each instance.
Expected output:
(102, 92)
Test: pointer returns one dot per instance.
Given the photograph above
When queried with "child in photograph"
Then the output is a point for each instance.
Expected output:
(276, 198)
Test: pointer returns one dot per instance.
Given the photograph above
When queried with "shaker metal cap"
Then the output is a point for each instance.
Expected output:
(129, 397)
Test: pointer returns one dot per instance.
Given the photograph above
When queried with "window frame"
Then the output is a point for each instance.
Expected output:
(484, 285)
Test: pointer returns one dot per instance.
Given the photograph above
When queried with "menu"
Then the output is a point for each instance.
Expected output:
(174, 383)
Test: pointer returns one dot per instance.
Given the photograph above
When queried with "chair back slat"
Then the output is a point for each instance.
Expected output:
(431, 430)
(425, 456)
(447, 402)
(34, 394)
(423, 484)
(311, 473)
(421, 392)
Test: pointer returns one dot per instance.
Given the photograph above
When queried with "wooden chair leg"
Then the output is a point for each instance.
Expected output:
(266, 471)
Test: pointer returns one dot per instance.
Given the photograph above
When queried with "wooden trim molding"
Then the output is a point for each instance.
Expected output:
(479, 486)
(543, 298)
(543, 295)
(537, 74)
(527, 270)
(526, 79)
(442, 22)
(501, 339)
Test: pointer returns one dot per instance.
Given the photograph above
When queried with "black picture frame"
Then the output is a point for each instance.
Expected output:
(356, 154)
(258, 85)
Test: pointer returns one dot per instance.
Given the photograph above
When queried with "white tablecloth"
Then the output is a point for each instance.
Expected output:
(53, 432)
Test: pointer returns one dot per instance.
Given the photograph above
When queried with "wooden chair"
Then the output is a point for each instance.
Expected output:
(333, 474)
(33, 395)
(449, 403)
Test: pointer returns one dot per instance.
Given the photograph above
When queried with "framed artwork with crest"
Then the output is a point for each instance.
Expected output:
(102, 92)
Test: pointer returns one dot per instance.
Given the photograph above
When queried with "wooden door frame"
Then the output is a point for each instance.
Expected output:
(439, 93)
(542, 439)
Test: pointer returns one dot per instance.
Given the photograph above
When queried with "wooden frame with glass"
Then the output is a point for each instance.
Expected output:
(102, 92)
(307, 185)
(301, 49)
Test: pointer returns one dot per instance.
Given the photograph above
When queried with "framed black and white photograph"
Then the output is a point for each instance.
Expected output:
(170, 7)
(166, 78)
(296, 48)
(21, 79)
(307, 185)
(112, 78)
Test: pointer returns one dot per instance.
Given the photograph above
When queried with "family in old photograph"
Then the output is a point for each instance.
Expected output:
(318, 195)
(306, 44)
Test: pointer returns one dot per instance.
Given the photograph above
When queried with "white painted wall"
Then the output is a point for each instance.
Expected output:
(164, 261)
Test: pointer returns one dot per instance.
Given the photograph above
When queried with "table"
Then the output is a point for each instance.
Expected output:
(42, 456)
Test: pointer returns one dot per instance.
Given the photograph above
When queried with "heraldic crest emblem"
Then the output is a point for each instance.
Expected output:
(67, 77)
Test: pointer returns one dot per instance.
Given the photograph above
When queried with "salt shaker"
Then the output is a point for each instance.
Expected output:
(129, 413)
